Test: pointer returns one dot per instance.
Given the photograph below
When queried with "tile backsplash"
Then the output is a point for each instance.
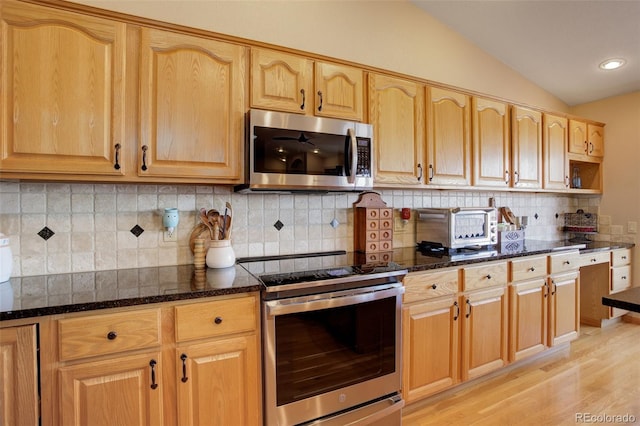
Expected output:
(93, 227)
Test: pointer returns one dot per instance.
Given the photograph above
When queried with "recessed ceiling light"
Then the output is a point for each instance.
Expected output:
(612, 64)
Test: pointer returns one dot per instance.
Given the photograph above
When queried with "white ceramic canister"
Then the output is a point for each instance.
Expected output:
(220, 254)
(6, 259)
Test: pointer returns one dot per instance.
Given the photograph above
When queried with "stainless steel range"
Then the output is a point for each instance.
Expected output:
(331, 340)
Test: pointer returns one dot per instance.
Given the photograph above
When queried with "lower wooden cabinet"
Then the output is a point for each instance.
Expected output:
(186, 363)
(19, 378)
(430, 347)
(484, 331)
(122, 390)
(528, 318)
(564, 308)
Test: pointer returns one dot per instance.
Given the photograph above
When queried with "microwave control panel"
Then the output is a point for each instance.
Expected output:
(364, 157)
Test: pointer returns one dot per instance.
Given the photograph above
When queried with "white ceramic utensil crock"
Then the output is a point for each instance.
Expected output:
(220, 254)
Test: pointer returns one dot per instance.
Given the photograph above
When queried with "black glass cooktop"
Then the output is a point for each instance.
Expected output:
(310, 267)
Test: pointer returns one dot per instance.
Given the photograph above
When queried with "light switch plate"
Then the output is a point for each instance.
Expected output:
(169, 237)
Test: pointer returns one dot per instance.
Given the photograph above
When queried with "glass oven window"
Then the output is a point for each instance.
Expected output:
(299, 152)
(320, 351)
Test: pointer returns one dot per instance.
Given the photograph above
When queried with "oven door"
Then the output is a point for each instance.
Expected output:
(331, 352)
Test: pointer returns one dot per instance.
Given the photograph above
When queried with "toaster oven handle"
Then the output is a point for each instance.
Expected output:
(351, 178)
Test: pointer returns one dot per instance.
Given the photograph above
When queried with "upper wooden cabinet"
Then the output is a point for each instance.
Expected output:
(448, 137)
(586, 138)
(192, 107)
(556, 162)
(491, 143)
(526, 148)
(296, 84)
(63, 99)
(396, 110)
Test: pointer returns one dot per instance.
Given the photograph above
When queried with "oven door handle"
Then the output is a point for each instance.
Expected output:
(354, 156)
(331, 300)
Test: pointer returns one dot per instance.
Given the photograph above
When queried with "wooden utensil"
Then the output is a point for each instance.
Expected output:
(205, 221)
(228, 221)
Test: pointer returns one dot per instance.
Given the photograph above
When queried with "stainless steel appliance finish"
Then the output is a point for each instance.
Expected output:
(292, 152)
(332, 343)
(456, 228)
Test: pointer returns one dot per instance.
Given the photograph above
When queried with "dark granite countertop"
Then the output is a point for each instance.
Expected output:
(627, 299)
(415, 261)
(43, 295)
(35, 296)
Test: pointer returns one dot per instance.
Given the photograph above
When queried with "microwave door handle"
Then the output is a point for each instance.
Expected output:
(351, 178)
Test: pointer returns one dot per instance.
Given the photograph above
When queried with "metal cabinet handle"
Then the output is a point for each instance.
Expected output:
(507, 177)
(488, 276)
(144, 158)
(532, 269)
(153, 364)
(468, 314)
(566, 262)
(430, 172)
(554, 287)
(184, 378)
(516, 177)
(419, 172)
(320, 106)
(304, 99)
(594, 260)
(218, 320)
(545, 290)
(624, 277)
(623, 257)
(434, 286)
(112, 335)
(457, 314)
(566, 181)
(590, 147)
(117, 155)
(586, 147)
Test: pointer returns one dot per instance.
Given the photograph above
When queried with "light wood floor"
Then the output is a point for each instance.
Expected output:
(599, 374)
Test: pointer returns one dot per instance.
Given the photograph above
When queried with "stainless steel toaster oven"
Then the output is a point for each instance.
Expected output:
(455, 228)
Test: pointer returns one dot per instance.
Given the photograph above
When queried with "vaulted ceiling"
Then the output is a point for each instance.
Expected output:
(557, 44)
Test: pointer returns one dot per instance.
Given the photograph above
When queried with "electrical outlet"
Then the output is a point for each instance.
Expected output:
(170, 237)
(632, 227)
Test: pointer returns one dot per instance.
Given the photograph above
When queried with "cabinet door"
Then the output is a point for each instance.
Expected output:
(564, 308)
(556, 161)
(526, 148)
(63, 92)
(448, 137)
(219, 382)
(192, 107)
(484, 331)
(430, 352)
(339, 91)
(595, 139)
(578, 137)
(491, 143)
(396, 110)
(125, 390)
(281, 82)
(18, 363)
(527, 318)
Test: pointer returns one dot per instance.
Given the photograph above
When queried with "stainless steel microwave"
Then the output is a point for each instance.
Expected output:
(292, 152)
(455, 228)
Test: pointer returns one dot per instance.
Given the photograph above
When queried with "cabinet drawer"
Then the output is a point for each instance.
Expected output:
(563, 262)
(484, 276)
(421, 286)
(216, 318)
(595, 258)
(83, 337)
(528, 267)
(620, 278)
(620, 257)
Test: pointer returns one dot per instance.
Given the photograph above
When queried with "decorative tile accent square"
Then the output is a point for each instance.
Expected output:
(46, 233)
(137, 230)
(334, 223)
(278, 225)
